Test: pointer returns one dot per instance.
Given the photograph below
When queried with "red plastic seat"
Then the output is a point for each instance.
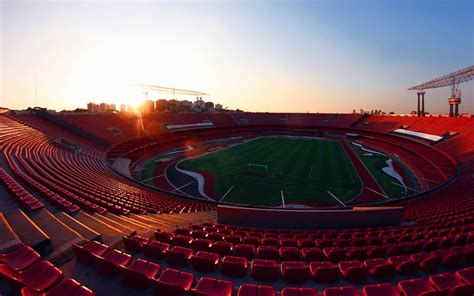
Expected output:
(324, 271)
(234, 266)
(164, 236)
(205, 261)
(174, 282)
(426, 261)
(288, 242)
(140, 273)
(353, 270)
(199, 234)
(312, 254)
(38, 277)
(251, 240)
(134, 243)
(222, 248)
(379, 267)
(216, 236)
(380, 290)
(266, 270)
(213, 287)
(201, 244)
(270, 241)
(334, 254)
(254, 290)
(182, 241)
(404, 264)
(294, 271)
(86, 252)
(184, 231)
(355, 253)
(179, 255)
(243, 250)
(306, 243)
(444, 281)
(290, 254)
(341, 291)
(291, 291)
(466, 275)
(21, 258)
(267, 252)
(234, 239)
(109, 263)
(68, 287)
(415, 287)
(155, 249)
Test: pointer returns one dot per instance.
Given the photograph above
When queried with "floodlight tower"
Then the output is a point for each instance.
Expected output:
(455, 100)
(453, 80)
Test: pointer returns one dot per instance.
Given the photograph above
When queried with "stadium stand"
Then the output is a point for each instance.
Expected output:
(70, 225)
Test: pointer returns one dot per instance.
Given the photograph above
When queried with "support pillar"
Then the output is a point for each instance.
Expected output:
(418, 108)
(422, 103)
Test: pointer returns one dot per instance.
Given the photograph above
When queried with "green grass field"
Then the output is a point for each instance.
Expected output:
(304, 169)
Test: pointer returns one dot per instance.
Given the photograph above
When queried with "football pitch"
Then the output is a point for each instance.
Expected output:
(273, 170)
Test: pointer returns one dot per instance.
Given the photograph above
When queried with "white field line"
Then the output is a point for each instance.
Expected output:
(225, 194)
(156, 177)
(181, 187)
(282, 199)
(431, 181)
(310, 171)
(336, 198)
(383, 195)
(406, 187)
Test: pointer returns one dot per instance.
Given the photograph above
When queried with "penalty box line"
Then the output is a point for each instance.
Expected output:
(336, 198)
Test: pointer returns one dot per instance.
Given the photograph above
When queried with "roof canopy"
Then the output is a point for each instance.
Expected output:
(457, 77)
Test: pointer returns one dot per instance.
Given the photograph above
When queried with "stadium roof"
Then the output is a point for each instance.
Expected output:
(457, 77)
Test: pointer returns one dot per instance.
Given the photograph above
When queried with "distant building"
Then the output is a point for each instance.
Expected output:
(113, 107)
(218, 107)
(91, 107)
(209, 105)
(103, 107)
(199, 104)
(123, 108)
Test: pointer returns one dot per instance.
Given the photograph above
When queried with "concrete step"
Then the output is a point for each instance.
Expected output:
(150, 221)
(132, 223)
(9, 241)
(29, 233)
(165, 223)
(80, 228)
(111, 236)
(60, 234)
(119, 225)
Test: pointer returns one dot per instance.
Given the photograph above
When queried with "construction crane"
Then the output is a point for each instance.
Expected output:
(170, 90)
(453, 80)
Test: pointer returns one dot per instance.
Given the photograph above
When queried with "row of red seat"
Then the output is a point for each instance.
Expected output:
(26, 199)
(24, 268)
(142, 273)
(265, 267)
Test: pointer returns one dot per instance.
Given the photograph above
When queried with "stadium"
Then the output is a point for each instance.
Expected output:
(176, 197)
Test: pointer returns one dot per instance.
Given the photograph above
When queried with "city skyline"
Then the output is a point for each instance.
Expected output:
(309, 56)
